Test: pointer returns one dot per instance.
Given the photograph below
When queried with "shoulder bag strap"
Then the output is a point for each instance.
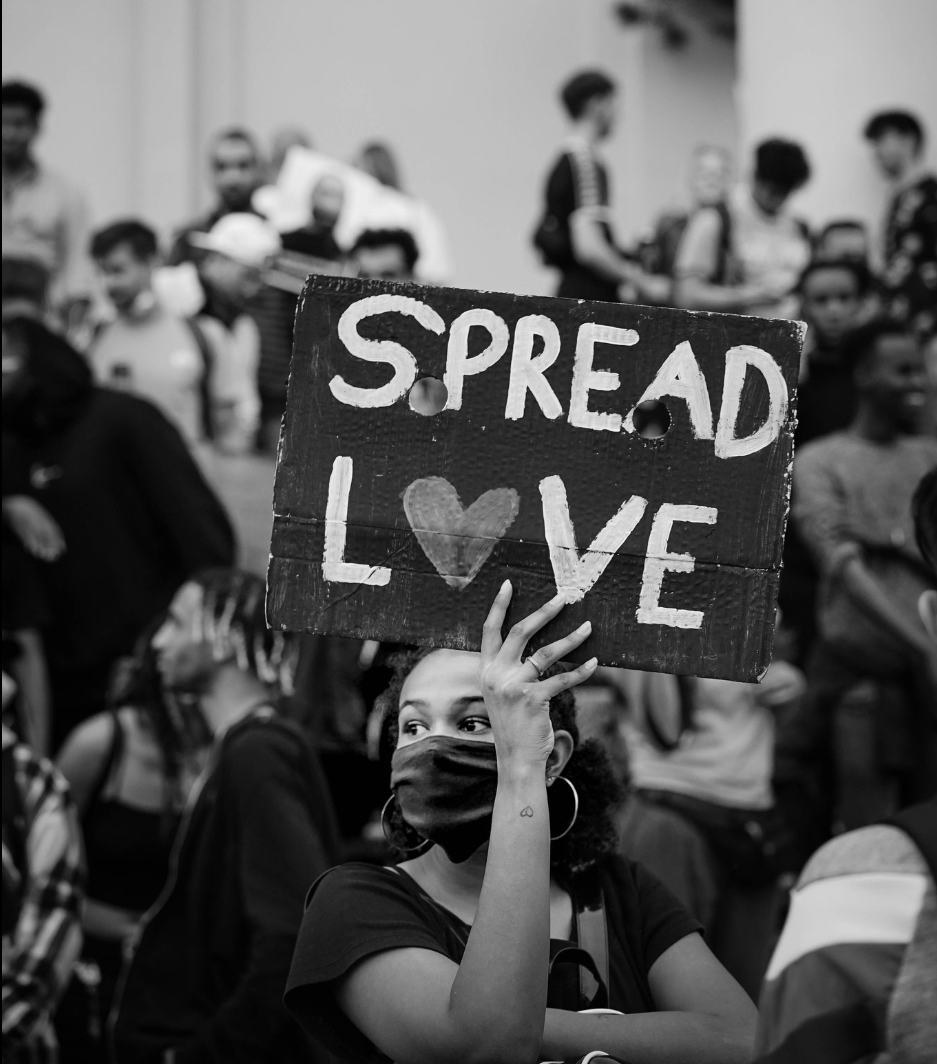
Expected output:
(592, 933)
(204, 383)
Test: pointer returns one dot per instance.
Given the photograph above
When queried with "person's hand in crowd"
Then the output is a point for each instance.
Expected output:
(34, 526)
(783, 684)
(517, 699)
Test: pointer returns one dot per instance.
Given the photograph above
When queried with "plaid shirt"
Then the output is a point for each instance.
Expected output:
(39, 952)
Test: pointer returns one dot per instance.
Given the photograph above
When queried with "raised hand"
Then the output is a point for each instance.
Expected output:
(518, 700)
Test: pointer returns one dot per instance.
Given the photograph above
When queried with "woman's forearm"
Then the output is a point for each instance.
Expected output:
(500, 990)
(649, 1037)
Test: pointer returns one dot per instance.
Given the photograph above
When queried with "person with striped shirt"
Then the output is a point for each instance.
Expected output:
(43, 879)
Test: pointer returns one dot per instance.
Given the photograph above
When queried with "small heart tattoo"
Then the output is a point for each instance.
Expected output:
(527, 811)
(458, 541)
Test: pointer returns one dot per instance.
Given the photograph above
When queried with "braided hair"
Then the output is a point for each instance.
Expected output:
(593, 835)
(136, 682)
(232, 620)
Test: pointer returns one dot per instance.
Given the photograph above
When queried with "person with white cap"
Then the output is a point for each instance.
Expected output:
(236, 249)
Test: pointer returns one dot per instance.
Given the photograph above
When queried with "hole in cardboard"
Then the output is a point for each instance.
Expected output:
(651, 419)
(428, 396)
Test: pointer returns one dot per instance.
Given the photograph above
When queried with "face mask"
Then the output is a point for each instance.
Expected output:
(446, 791)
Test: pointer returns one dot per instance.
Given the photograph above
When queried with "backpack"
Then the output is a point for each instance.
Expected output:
(552, 240)
(204, 384)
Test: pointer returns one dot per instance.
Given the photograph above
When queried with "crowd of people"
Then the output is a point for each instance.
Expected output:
(227, 843)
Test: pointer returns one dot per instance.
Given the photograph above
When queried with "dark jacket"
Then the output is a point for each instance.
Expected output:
(137, 515)
(210, 969)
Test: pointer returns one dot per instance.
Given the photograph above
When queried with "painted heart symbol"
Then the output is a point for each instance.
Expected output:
(458, 541)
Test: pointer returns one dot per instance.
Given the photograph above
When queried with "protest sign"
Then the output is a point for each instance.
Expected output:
(401, 526)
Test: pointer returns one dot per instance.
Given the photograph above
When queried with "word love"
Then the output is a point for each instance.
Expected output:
(459, 541)
(679, 375)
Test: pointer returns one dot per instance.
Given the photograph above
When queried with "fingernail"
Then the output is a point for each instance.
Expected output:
(586, 626)
(591, 663)
(506, 586)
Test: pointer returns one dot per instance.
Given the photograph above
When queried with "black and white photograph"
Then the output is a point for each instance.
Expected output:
(469, 528)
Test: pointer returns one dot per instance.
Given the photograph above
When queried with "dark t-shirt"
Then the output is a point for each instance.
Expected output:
(579, 181)
(357, 910)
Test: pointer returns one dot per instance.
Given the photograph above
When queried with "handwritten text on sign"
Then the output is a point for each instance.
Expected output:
(397, 526)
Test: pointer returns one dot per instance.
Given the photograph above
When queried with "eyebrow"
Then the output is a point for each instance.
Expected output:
(419, 703)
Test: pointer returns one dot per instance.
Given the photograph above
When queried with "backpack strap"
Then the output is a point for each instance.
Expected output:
(592, 934)
(725, 242)
(204, 384)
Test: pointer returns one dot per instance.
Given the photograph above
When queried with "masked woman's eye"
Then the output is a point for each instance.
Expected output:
(474, 724)
(412, 727)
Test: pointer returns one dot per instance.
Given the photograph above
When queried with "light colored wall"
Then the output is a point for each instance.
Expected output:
(815, 70)
(466, 94)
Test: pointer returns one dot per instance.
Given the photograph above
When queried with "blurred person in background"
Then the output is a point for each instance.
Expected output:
(831, 293)
(575, 231)
(831, 303)
(206, 979)
(405, 211)
(385, 254)
(704, 815)
(746, 257)
(871, 712)
(237, 171)
(846, 239)
(909, 274)
(130, 771)
(43, 879)
(235, 254)
(709, 182)
(316, 238)
(135, 514)
(182, 365)
(310, 249)
(45, 218)
(855, 971)
(32, 539)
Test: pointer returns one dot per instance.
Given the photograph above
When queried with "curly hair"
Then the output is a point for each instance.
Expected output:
(593, 834)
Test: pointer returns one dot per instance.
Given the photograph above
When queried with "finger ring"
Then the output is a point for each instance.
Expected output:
(530, 661)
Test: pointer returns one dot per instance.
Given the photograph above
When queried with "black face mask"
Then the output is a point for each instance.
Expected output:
(446, 791)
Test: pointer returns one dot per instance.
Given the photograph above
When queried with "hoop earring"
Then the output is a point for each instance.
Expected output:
(415, 850)
(569, 826)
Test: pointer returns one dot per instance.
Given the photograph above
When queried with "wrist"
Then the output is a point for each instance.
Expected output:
(522, 772)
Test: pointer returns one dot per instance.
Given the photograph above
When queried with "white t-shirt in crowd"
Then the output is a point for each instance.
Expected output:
(154, 353)
(726, 756)
(763, 249)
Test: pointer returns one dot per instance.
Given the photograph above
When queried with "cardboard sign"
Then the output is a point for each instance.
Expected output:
(392, 525)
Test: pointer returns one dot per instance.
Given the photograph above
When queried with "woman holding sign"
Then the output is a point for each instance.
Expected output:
(511, 912)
